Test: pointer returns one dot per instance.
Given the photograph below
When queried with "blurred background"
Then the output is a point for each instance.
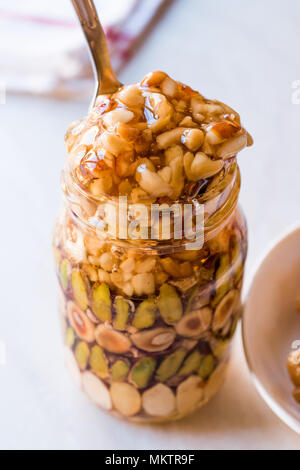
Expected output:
(243, 53)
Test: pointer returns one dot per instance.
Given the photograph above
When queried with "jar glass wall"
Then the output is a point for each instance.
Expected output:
(147, 331)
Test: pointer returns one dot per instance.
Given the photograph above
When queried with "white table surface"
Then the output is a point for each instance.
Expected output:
(245, 53)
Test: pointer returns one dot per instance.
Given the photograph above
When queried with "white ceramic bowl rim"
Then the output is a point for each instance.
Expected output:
(281, 412)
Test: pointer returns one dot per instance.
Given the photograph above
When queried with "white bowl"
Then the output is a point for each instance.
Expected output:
(271, 325)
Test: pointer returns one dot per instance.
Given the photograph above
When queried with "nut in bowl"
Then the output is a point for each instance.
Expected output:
(271, 326)
(148, 319)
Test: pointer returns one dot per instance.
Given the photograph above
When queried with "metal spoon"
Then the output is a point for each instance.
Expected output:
(106, 80)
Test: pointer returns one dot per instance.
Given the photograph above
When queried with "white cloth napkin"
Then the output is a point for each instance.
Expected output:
(42, 48)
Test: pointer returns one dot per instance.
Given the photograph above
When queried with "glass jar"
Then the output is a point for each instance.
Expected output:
(147, 325)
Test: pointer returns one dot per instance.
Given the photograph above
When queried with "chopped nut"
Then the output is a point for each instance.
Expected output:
(158, 111)
(170, 138)
(146, 265)
(169, 87)
(154, 184)
(232, 146)
(220, 131)
(114, 144)
(172, 153)
(117, 115)
(144, 284)
(131, 96)
(192, 139)
(128, 265)
(107, 262)
(200, 166)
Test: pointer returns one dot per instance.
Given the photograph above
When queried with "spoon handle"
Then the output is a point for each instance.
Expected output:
(106, 80)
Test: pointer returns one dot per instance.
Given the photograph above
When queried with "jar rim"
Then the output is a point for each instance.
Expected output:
(216, 211)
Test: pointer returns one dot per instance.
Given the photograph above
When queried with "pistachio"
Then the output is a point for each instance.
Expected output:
(122, 308)
(79, 289)
(145, 314)
(80, 323)
(215, 380)
(195, 323)
(207, 367)
(101, 302)
(82, 352)
(119, 370)
(126, 399)
(222, 278)
(236, 259)
(112, 340)
(221, 347)
(200, 166)
(98, 362)
(169, 304)
(224, 310)
(70, 337)
(171, 266)
(159, 401)
(142, 372)
(170, 365)
(64, 270)
(191, 364)
(189, 394)
(72, 366)
(96, 390)
(155, 340)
